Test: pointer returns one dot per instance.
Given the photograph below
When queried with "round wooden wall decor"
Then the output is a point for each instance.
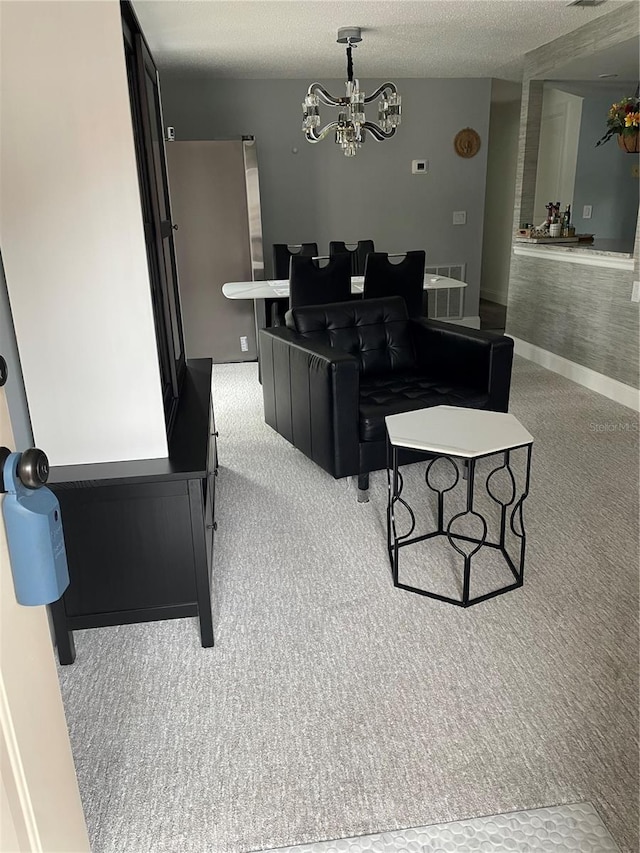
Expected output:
(467, 142)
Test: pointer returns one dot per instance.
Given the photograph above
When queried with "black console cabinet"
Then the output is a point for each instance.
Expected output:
(139, 535)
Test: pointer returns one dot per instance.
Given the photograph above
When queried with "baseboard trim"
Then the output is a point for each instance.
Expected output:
(605, 385)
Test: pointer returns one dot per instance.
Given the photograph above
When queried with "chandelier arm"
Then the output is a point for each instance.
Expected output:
(318, 89)
(377, 132)
(390, 86)
(316, 136)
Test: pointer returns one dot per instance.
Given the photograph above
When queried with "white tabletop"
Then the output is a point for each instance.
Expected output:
(456, 431)
(279, 288)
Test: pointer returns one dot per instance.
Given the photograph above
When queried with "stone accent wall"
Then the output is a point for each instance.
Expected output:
(581, 313)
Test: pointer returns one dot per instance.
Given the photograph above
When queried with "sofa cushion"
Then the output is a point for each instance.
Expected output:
(376, 331)
(406, 393)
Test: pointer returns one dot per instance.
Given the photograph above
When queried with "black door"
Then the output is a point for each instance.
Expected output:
(146, 110)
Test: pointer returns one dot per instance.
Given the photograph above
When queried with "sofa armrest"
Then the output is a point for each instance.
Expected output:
(473, 358)
(311, 396)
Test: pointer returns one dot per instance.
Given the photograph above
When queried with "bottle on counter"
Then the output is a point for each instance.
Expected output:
(549, 209)
(569, 228)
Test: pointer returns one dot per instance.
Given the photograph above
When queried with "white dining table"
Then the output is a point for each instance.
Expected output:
(260, 291)
(279, 288)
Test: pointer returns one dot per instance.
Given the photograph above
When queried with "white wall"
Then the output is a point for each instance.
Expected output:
(317, 194)
(16, 399)
(504, 129)
(71, 234)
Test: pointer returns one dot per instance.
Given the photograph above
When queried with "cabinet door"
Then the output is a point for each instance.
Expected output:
(210, 496)
(213, 436)
(128, 547)
(210, 527)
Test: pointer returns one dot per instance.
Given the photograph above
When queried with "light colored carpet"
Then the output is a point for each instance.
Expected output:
(574, 828)
(334, 705)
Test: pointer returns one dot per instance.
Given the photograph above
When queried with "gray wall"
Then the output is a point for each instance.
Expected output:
(314, 193)
(504, 129)
(604, 179)
(16, 398)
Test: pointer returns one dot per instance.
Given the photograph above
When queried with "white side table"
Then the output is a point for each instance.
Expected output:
(455, 433)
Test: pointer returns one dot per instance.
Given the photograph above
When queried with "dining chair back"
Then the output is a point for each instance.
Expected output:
(282, 254)
(312, 284)
(406, 279)
(358, 255)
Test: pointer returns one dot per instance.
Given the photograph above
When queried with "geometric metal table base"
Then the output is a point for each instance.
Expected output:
(458, 541)
(558, 829)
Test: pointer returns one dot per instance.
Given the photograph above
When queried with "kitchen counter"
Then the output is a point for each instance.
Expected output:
(614, 254)
(600, 246)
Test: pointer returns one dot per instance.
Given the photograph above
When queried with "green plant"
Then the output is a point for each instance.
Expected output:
(623, 119)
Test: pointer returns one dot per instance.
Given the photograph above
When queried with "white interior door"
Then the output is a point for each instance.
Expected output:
(558, 151)
(40, 803)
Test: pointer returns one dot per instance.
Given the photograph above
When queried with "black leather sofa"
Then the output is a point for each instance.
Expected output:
(332, 374)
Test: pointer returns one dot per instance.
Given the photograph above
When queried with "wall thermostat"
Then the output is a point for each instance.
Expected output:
(419, 167)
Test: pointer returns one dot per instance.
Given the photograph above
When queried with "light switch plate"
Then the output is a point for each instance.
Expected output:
(459, 217)
(587, 210)
(419, 167)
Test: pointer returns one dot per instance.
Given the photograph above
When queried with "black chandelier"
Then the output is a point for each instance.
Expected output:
(351, 124)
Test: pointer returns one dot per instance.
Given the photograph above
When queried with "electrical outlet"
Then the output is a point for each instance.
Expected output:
(587, 210)
(459, 217)
(635, 293)
(244, 343)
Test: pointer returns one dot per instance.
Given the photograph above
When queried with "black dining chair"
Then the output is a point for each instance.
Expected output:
(312, 284)
(358, 255)
(282, 254)
(406, 279)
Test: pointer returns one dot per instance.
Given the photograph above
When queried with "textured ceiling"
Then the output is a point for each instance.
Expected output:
(401, 38)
